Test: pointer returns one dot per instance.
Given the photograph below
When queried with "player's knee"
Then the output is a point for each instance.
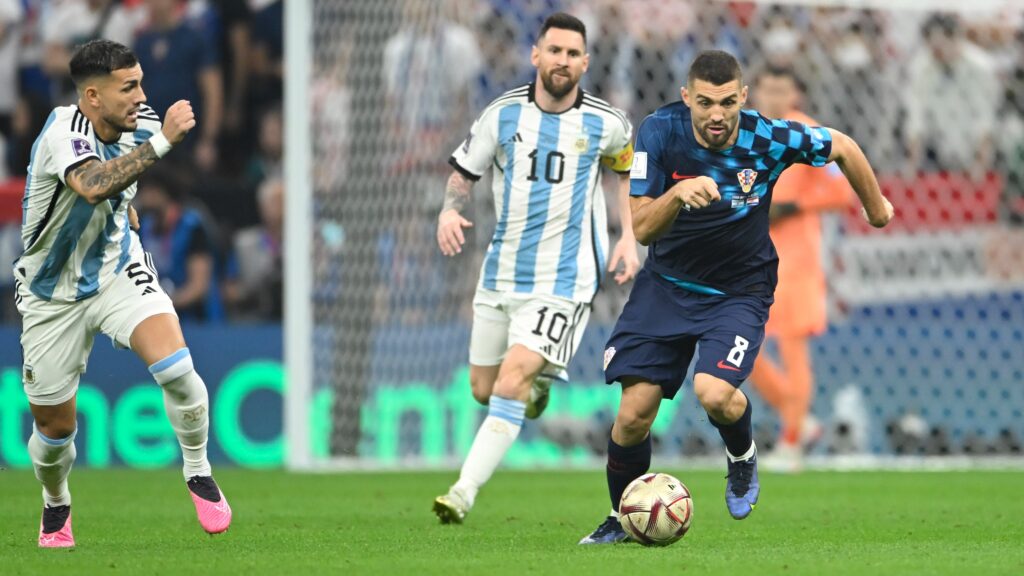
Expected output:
(57, 428)
(715, 395)
(632, 424)
(513, 384)
(481, 385)
(480, 393)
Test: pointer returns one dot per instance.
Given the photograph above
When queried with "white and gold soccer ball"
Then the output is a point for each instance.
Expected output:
(656, 509)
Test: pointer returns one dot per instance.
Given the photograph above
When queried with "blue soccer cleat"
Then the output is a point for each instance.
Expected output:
(609, 532)
(742, 487)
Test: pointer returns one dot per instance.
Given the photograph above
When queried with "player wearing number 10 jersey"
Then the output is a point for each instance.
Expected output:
(547, 142)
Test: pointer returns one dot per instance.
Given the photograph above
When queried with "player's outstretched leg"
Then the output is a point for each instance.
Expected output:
(729, 411)
(540, 391)
(625, 464)
(52, 459)
(629, 452)
(496, 434)
(187, 405)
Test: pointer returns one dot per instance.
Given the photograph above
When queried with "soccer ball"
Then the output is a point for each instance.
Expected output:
(656, 509)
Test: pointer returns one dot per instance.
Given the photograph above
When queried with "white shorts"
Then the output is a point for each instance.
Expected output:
(57, 338)
(548, 325)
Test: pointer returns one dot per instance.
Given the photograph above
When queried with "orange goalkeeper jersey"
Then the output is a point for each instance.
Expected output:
(799, 307)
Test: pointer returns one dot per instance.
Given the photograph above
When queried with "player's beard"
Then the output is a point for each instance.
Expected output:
(558, 91)
(719, 140)
(120, 123)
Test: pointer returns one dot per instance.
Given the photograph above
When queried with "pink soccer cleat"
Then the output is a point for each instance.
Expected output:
(211, 506)
(55, 528)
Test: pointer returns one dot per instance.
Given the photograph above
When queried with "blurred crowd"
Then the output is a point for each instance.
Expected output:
(211, 211)
(395, 88)
(931, 96)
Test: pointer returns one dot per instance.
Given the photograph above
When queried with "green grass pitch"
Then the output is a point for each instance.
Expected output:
(130, 522)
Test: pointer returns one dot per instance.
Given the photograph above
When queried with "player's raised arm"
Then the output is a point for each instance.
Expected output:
(450, 222)
(97, 181)
(851, 160)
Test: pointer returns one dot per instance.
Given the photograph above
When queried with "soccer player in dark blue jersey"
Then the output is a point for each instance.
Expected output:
(700, 189)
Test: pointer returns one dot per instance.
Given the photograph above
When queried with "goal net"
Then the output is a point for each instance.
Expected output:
(923, 353)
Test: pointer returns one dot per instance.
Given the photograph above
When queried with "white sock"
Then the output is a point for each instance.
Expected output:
(496, 435)
(52, 459)
(614, 513)
(187, 406)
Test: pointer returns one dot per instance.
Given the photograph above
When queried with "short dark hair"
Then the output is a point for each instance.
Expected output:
(946, 24)
(715, 66)
(779, 71)
(564, 21)
(99, 58)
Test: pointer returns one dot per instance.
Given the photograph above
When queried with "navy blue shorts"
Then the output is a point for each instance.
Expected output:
(662, 325)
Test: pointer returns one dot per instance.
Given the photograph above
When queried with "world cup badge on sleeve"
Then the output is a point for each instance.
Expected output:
(746, 178)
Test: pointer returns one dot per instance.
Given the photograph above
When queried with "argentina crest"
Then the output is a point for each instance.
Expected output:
(582, 140)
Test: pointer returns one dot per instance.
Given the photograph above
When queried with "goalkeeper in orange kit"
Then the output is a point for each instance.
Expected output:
(800, 195)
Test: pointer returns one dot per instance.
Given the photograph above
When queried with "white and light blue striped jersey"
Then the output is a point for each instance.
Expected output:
(551, 235)
(71, 248)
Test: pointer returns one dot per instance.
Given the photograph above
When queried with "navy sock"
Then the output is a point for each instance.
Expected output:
(626, 464)
(739, 435)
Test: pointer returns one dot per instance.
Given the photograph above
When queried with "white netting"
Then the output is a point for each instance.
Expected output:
(923, 353)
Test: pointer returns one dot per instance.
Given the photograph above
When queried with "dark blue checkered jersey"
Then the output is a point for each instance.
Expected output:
(724, 248)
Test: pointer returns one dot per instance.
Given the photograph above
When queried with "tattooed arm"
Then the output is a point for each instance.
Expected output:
(97, 181)
(450, 222)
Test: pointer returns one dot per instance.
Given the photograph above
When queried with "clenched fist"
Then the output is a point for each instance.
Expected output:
(697, 192)
(178, 121)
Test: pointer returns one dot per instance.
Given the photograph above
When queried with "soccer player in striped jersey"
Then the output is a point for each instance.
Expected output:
(547, 142)
(700, 191)
(84, 272)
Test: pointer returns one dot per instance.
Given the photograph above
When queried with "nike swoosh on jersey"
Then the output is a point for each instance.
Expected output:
(678, 176)
(724, 366)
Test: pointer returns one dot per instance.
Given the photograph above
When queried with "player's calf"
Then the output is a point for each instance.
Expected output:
(187, 405)
(540, 392)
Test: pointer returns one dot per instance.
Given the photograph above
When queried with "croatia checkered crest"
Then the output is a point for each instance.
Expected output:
(656, 509)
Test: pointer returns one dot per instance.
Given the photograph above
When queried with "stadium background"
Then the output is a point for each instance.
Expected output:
(922, 356)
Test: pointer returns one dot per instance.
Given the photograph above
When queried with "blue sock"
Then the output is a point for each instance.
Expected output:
(625, 464)
(738, 436)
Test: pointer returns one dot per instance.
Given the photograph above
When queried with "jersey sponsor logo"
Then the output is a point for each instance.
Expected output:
(465, 144)
(639, 168)
(746, 178)
(608, 355)
(80, 147)
(677, 176)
